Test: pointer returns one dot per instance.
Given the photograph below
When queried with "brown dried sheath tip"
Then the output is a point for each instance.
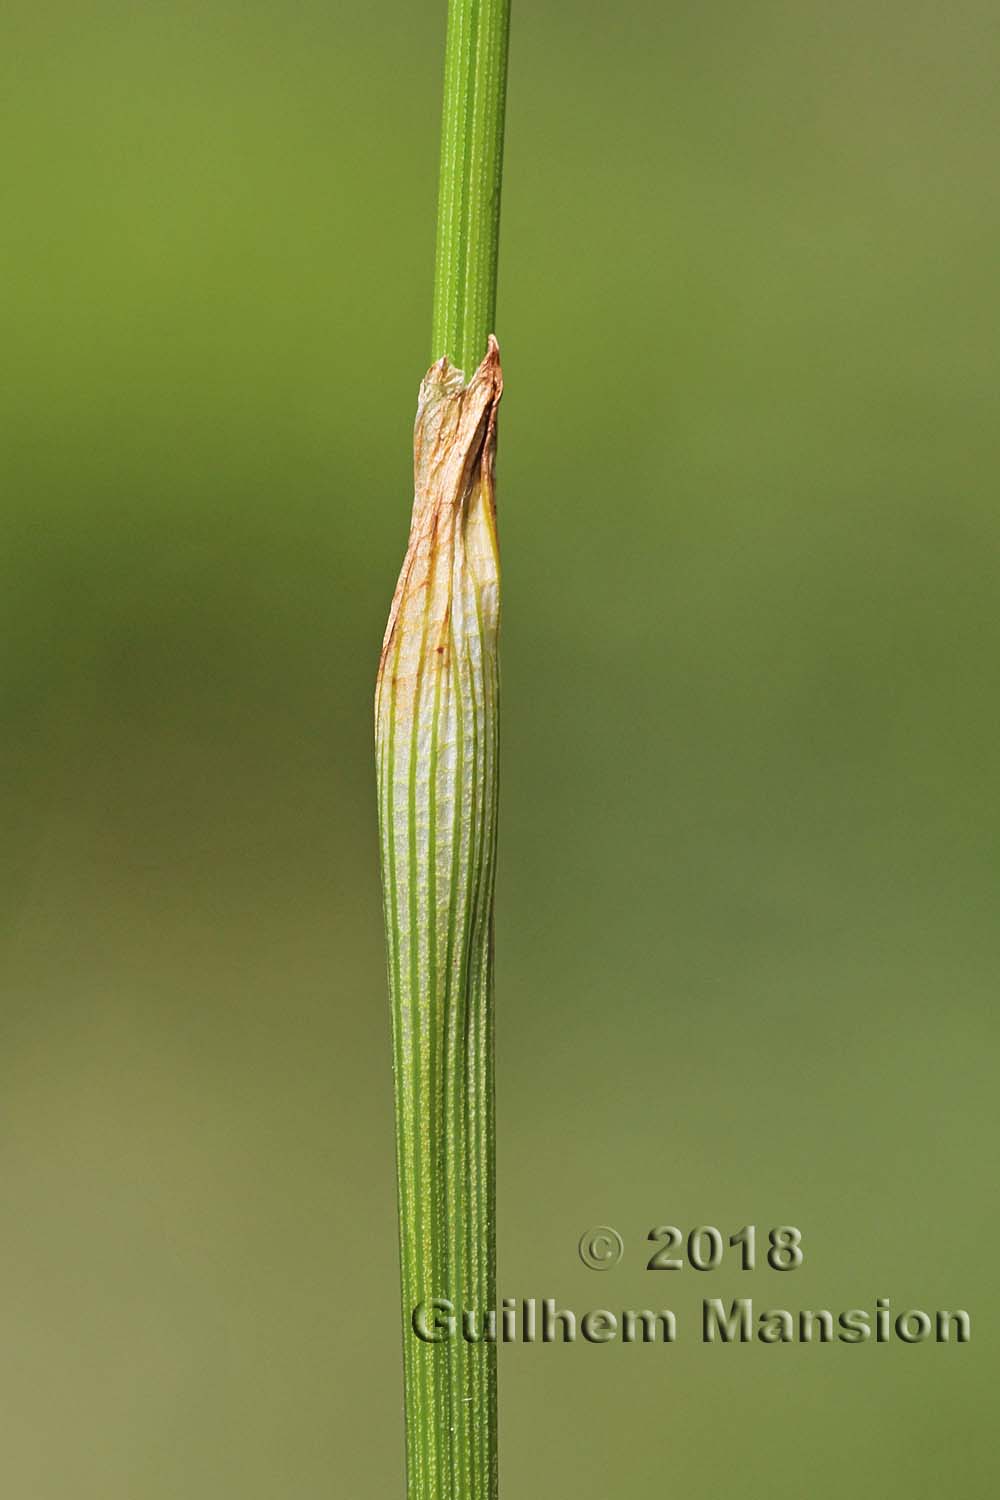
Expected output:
(454, 451)
(436, 731)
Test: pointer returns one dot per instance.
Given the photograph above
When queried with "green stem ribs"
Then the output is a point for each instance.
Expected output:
(468, 227)
(436, 746)
(436, 733)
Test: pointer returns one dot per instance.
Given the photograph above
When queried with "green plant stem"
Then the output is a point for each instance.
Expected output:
(436, 736)
(468, 226)
(436, 733)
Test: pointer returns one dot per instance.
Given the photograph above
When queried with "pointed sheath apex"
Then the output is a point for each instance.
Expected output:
(452, 544)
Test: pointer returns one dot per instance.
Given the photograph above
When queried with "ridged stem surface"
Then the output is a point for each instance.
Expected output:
(468, 226)
(436, 726)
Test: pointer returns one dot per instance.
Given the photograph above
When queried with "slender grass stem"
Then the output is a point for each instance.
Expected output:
(436, 735)
(468, 226)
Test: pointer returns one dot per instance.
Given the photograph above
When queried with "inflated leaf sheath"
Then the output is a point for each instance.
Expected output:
(436, 746)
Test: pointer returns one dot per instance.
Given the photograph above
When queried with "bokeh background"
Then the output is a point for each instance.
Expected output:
(747, 936)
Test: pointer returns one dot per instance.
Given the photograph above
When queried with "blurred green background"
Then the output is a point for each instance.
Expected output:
(747, 937)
